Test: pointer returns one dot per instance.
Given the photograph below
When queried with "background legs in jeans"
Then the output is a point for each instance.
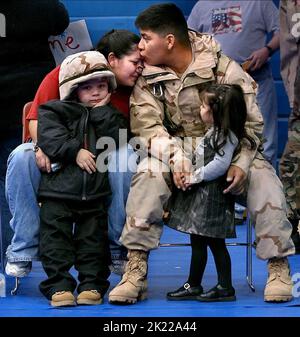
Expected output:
(22, 182)
(7, 144)
(122, 166)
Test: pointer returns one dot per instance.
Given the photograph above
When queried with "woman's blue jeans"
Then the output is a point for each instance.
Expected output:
(22, 182)
(6, 146)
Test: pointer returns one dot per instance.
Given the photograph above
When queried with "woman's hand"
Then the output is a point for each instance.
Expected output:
(42, 161)
(85, 160)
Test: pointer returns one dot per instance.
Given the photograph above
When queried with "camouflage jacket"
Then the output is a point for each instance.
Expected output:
(164, 106)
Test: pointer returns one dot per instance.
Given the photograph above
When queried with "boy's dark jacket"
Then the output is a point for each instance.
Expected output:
(61, 132)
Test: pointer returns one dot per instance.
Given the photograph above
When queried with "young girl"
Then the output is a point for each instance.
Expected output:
(204, 211)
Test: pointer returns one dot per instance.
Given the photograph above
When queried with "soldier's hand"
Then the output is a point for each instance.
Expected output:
(42, 161)
(238, 179)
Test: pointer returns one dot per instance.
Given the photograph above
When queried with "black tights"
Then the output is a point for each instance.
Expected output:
(199, 258)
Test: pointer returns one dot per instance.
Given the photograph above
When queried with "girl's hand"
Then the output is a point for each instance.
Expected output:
(104, 101)
(85, 160)
(181, 175)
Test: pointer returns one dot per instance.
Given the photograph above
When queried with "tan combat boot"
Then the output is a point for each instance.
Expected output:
(279, 284)
(63, 299)
(89, 297)
(133, 286)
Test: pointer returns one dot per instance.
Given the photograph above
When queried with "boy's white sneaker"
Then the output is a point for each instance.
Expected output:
(18, 269)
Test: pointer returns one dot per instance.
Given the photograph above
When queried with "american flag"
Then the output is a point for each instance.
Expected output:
(225, 20)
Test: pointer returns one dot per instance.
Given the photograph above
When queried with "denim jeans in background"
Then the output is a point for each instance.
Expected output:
(22, 182)
(267, 102)
(6, 146)
(121, 168)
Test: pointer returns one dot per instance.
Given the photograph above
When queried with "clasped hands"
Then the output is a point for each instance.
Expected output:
(236, 177)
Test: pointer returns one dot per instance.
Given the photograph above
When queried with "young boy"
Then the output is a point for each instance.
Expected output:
(74, 192)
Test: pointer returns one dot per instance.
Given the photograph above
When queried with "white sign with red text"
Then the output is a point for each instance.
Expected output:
(74, 39)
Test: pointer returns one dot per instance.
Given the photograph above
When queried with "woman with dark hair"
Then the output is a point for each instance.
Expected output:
(26, 161)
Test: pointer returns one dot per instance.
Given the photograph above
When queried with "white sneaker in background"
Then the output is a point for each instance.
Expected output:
(18, 269)
(239, 214)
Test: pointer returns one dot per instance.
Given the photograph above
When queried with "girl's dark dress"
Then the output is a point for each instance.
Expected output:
(204, 209)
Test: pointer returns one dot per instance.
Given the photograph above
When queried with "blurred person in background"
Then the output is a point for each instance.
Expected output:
(290, 71)
(25, 58)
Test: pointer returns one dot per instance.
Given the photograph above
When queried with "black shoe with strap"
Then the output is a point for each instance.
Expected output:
(186, 292)
(218, 294)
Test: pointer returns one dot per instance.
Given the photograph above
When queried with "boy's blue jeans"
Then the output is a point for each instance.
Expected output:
(22, 182)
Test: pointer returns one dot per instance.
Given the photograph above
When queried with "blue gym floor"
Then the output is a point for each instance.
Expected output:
(168, 269)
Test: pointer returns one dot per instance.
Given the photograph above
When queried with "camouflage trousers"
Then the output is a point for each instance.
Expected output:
(290, 160)
(151, 188)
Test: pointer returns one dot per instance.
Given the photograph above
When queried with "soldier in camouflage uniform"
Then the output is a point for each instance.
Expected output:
(290, 71)
(164, 113)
